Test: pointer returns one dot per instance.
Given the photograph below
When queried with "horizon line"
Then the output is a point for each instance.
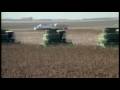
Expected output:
(57, 18)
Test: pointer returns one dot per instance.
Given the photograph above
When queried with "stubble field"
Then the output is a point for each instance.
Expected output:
(35, 61)
(83, 60)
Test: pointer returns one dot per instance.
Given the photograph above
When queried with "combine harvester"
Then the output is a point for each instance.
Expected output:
(55, 34)
(109, 38)
(7, 36)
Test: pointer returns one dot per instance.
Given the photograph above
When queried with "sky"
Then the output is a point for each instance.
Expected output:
(58, 15)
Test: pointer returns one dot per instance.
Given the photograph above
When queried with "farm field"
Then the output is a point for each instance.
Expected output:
(35, 61)
(24, 33)
(83, 60)
(78, 36)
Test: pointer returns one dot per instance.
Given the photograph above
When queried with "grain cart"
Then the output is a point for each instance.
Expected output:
(7, 36)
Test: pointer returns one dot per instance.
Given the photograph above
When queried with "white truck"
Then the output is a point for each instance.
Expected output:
(50, 26)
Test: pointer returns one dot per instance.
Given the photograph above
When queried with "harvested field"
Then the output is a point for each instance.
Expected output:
(77, 36)
(83, 60)
(79, 32)
(35, 61)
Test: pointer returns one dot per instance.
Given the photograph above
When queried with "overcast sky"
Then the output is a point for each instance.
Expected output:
(58, 15)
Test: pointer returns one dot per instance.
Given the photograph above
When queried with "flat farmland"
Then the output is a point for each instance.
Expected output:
(24, 33)
(78, 36)
(83, 60)
(35, 61)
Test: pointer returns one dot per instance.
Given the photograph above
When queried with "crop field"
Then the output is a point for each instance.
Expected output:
(35, 61)
(82, 60)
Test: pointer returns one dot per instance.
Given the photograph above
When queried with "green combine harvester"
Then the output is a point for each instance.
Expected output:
(54, 37)
(7, 36)
(109, 38)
